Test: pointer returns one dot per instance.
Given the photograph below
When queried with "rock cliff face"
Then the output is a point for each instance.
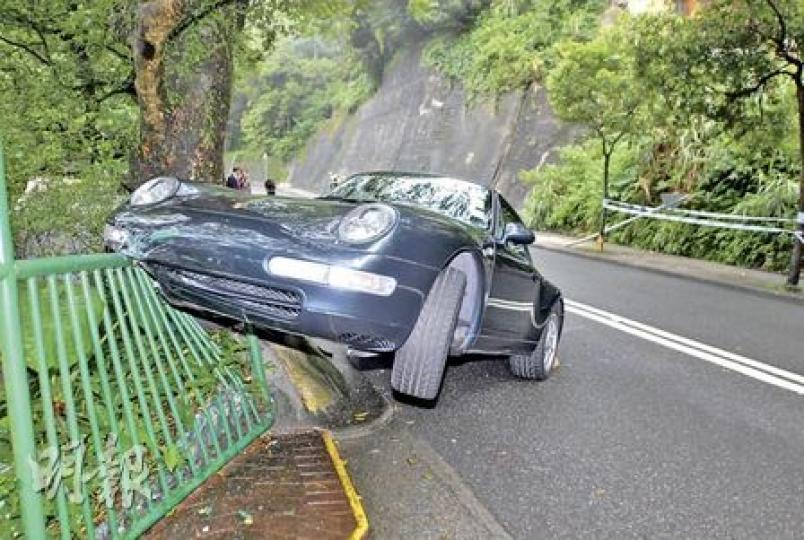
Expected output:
(420, 122)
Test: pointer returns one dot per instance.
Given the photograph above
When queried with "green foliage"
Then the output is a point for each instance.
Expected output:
(67, 215)
(68, 107)
(719, 172)
(423, 10)
(300, 86)
(567, 196)
(508, 47)
(593, 83)
(718, 62)
(66, 112)
(49, 325)
(731, 63)
(445, 14)
(699, 109)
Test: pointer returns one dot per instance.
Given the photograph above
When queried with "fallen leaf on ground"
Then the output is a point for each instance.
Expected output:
(247, 518)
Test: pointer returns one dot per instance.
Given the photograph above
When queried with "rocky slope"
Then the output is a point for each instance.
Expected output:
(419, 121)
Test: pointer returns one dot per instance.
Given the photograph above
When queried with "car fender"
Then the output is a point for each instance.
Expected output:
(549, 294)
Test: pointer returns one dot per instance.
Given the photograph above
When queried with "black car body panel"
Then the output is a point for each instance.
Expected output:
(208, 248)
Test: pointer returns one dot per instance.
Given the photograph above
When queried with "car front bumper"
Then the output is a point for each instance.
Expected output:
(361, 320)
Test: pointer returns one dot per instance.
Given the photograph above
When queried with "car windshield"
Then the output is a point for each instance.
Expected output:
(467, 202)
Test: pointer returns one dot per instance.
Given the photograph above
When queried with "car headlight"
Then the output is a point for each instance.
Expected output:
(366, 223)
(338, 277)
(155, 191)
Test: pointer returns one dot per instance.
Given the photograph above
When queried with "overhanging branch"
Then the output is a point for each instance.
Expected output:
(127, 88)
(782, 40)
(749, 90)
(779, 19)
(119, 54)
(26, 48)
(198, 16)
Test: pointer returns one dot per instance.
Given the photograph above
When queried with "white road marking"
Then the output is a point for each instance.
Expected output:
(725, 359)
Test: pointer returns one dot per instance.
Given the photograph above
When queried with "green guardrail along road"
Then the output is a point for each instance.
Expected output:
(114, 406)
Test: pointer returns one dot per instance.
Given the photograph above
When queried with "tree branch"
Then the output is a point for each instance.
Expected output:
(127, 88)
(748, 90)
(194, 18)
(617, 140)
(780, 19)
(121, 55)
(28, 49)
(43, 41)
(782, 40)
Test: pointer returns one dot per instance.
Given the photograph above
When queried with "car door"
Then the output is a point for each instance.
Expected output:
(514, 287)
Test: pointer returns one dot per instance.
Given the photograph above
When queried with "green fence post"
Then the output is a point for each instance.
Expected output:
(258, 366)
(15, 376)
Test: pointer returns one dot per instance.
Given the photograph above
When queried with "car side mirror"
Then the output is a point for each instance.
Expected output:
(518, 234)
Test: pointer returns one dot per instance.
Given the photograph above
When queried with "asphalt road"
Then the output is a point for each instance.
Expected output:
(631, 437)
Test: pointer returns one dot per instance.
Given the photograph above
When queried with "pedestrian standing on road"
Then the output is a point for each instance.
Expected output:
(243, 183)
(270, 187)
(233, 180)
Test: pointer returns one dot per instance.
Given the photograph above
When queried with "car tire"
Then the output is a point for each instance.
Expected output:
(419, 364)
(538, 364)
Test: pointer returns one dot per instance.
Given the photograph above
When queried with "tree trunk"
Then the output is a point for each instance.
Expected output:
(183, 86)
(795, 260)
(606, 165)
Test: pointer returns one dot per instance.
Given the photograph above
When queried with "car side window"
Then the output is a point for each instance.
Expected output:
(505, 216)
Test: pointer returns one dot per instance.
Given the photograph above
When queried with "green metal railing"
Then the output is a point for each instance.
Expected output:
(117, 405)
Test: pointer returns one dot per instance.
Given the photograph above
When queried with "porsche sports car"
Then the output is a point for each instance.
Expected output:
(423, 266)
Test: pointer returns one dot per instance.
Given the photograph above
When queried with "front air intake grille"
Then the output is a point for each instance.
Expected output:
(272, 301)
(362, 341)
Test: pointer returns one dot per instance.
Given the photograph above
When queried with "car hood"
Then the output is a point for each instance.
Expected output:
(218, 216)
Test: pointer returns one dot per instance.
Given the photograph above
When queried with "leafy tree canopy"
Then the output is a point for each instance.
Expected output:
(714, 116)
(74, 91)
(726, 61)
(509, 45)
(594, 83)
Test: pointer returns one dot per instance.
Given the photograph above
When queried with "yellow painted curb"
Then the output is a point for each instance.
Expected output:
(349, 489)
(316, 393)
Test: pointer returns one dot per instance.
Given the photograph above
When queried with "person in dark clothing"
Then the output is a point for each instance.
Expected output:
(270, 187)
(233, 181)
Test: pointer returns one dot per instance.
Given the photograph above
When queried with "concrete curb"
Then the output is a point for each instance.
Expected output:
(320, 389)
(674, 266)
